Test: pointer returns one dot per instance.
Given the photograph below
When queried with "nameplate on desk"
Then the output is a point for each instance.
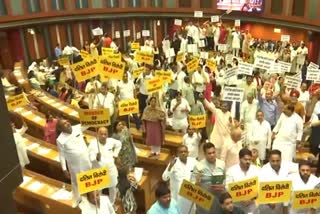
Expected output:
(56, 104)
(43, 151)
(50, 101)
(26, 179)
(63, 108)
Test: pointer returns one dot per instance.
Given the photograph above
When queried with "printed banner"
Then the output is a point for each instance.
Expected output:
(233, 94)
(274, 192)
(166, 76)
(263, 62)
(136, 73)
(245, 68)
(198, 14)
(197, 121)
(211, 64)
(306, 199)
(106, 51)
(313, 74)
(144, 57)
(179, 57)
(114, 57)
(292, 82)
(111, 69)
(192, 65)
(128, 107)
(196, 194)
(94, 117)
(85, 69)
(135, 46)
(230, 73)
(153, 85)
(244, 190)
(84, 54)
(177, 22)
(92, 180)
(285, 38)
(17, 101)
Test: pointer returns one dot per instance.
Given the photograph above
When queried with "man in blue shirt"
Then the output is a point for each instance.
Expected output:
(164, 204)
(57, 51)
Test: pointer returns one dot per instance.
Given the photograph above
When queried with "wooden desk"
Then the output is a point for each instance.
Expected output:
(37, 194)
(172, 140)
(56, 105)
(20, 76)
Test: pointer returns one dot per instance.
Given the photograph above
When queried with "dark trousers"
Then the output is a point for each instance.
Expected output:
(142, 102)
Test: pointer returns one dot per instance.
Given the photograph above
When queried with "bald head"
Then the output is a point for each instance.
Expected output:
(236, 134)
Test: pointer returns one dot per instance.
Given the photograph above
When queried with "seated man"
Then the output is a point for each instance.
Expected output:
(227, 206)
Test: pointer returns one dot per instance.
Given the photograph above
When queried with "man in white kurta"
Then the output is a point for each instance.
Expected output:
(180, 168)
(222, 127)
(92, 87)
(104, 99)
(231, 148)
(275, 170)
(240, 172)
(302, 53)
(104, 153)
(73, 152)
(303, 180)
(180, 109)
(95, 203)
(288, 133)
(20, 145)
(259, 135)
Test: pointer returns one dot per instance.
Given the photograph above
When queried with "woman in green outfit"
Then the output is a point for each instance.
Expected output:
(127, 154)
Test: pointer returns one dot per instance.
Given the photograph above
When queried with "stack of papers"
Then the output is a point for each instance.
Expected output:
(138, 173)
(26, 113)
(33, 146)
(37, 119)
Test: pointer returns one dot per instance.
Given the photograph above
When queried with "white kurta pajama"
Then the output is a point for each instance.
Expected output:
(267, 173)
(299, 185)
(259, 136)
(235, 174)
(180, 118)
(176, 175)
(192, 143)
(289, 130)
(248, 114)
(74, 152)
(108, 151)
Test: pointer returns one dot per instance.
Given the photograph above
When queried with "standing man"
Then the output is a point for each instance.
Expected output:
(57, 51)
(205, 172)
(243, 171)
(303, 180)
(74, 152)
(179, 169)
(302, 53)
(287, 133)
(104, 153)
(275, 170)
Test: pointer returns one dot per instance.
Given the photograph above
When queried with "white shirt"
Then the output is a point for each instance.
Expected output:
(301, 55)
(267, 173)
(92, 85)
(114, 46)
(192, 143)
(178, 173)
(260, 132)
(142, 85)
(289, 128)
(73, 150)
(106, 101)
(177, 113)
(230, 152)
(304, 97)
(200, 79)
(105, 206)
(126, 90)
(248, 111)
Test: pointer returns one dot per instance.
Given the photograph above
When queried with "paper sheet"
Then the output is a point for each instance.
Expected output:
(57, 158)
(74, 113)
(21, 81)
(18, 109)
(56, 104)
(138, 173)
(43, 151)
(63, 108)
(33, 146)
(62, 194)
(50, 101)
(26, 113)
(35, 186)
(26, 179)
(37, 119)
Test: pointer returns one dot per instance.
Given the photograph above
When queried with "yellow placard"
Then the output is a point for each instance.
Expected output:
(85, 69)
(92, 180)
(197, 121)
(106, 51)
(144, 57)
(17, 101)
(306, 199)
(153, 85)
(196, 194)
(110, 69)
(94, 117)
(114, 57)
(192, 65)
(64, 61)
(84, 54)
(244, 190)
(128, 107)
(179, 57)
(166, 76)
(135, 46)
(211, 64)
(136, 73)
(274, 192)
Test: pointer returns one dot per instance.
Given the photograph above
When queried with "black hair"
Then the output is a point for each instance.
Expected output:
(224, 196)
(115, 124)
(243, 152)
(207, 146)
(304, 163)
(275, 152)
(162, 189)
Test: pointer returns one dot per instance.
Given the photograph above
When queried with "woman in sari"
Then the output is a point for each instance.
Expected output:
(50, 134)
(127, 154)
(153, 126)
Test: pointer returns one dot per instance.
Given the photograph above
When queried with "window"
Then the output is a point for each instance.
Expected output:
(112, 3)
(156, 3)
(3, 9)
(134, 3)
(81, 4)
(171, 3)
(276, 6)
(16, 7)
(205, 3)
(298, 7)
(313, 9)
(57, 4)
(33, 6)
(184, 3)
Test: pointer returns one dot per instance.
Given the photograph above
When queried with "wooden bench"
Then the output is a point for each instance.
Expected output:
(38, 194)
